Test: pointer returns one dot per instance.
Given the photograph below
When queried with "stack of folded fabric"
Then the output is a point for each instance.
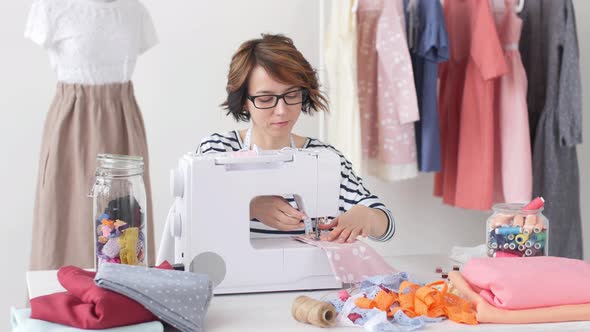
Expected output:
(526, 290)
(122, 298)
(180, 299)
(22, 322)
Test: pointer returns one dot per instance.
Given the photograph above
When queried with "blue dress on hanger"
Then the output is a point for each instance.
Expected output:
(429, 45)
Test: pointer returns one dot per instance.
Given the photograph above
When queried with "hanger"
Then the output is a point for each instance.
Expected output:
(355, 6)
(519, 6)
(498, 6)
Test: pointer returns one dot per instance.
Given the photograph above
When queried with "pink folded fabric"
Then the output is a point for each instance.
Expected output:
(352, 262)
(529, 282)
(486, 313)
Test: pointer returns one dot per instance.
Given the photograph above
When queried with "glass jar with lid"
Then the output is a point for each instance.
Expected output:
(513, 231)
(119, 205)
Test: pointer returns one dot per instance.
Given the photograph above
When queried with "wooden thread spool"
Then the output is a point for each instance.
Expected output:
(314, 312)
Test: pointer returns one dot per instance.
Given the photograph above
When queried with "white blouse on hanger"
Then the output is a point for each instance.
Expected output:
(89, 41)
(344, 128)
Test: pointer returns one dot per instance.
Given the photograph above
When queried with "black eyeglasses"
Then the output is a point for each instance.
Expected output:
(269, 101)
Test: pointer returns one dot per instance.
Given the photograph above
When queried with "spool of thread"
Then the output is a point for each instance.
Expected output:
(508, 230)
(528, 229)
(530, 219)
(501, 219)
(528, 244)
(537, 245)
(502, 254)
(491, 252)
(512, 252)
(539, 226)
(512, 246)
(505, 246)
(492, 236)
(518, 220)
(492, 245)
(535, 204)
(314, 312)
(529, 223)
(540, 237)
(500, 240)
(533, 252)
(521, 238)
(510, 237)
(521, 247)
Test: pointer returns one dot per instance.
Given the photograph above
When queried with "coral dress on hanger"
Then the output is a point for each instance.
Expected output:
(477, 59)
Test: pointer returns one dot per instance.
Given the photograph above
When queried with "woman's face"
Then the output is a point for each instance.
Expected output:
(279, 120)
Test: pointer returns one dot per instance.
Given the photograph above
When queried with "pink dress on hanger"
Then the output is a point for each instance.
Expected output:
(387, 95)
(514, 165)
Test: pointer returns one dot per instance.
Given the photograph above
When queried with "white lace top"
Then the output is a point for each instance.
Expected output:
(91, 41)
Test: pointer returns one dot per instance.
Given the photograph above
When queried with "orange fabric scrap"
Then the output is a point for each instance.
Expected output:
(385, 299)
(415, 300)
(364, 303)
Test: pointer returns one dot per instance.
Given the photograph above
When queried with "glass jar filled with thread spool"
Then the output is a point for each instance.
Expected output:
(119, 222)
(514, 230)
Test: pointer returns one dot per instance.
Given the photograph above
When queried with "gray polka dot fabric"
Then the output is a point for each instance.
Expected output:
(178, 298)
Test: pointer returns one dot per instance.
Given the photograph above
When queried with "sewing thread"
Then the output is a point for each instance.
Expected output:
(311, 311)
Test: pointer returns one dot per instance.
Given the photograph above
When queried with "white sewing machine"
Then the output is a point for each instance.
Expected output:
(210, 221)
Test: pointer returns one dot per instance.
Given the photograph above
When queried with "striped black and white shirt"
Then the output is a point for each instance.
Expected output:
(352, 190)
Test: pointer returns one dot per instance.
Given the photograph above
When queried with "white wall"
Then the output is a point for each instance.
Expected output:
(179, 85)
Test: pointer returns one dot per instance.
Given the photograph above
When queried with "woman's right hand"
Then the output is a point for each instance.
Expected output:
(276, 212)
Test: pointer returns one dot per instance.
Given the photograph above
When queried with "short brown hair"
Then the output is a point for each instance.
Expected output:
(281, 60)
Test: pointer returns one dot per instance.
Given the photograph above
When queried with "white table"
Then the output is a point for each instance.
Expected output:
(272, 311)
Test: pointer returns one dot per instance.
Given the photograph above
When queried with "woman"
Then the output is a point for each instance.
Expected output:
(269, 84)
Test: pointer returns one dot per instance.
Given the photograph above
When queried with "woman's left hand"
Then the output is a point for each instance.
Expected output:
(359, 220)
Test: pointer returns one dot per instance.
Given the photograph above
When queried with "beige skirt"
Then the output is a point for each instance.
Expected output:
(83, 121)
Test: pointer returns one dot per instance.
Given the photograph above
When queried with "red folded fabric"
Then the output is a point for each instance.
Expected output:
(87, 306)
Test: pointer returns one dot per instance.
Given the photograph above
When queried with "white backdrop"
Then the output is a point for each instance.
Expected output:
(179, 85)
